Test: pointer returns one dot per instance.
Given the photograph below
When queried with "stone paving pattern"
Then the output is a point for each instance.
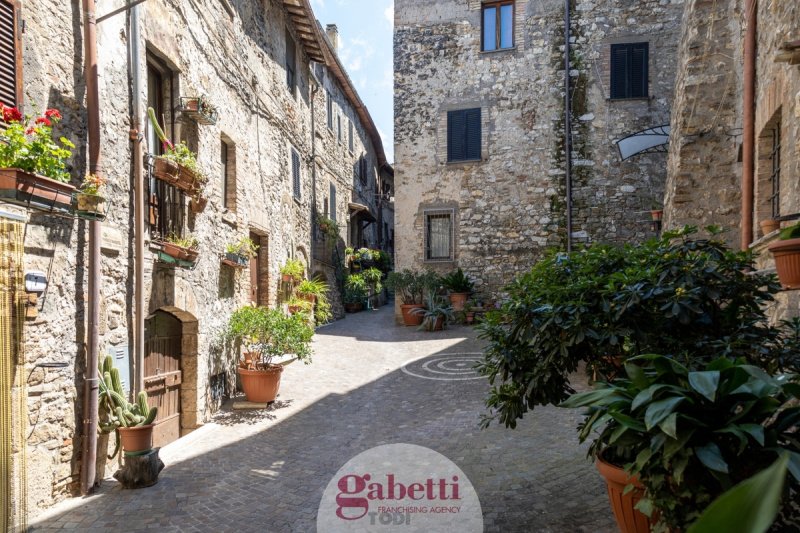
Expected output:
(266, 470)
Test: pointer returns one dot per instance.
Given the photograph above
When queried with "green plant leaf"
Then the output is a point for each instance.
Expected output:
(658, 411)
(705, 383)
(669, 425)
(594, 397)
(750, 506)
(711, 457)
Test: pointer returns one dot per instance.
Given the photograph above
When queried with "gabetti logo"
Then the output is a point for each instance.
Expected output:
(400, 487)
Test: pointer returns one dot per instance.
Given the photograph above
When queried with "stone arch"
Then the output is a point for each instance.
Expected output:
(302, 255)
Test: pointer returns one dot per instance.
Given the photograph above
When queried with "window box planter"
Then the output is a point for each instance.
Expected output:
(235, 260)
(179, 253)
(90, 206)
(199, 109)
(176, 175)
(787, 262)
(198, 204)
(35, 192)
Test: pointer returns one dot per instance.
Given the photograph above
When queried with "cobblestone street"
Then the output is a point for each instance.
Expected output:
(369, 384)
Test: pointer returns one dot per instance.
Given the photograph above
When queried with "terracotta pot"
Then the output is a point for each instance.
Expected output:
(34, 191)
(166, 170)
(470, 317)
(188, 180)
(308, 297)
(629, 520)
(410, 318)
(769, 225)
(458, 299)
(354, 308)
(438, 324)
(787, 262)
(178, 252)
(657, 214)
(286, 278)
(294, 309)
(198, 204)
(261, 386)
(191, 104)
(137, 438)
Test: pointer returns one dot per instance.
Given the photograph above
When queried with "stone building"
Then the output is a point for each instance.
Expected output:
(708, 150)
(480, 128)
(292, 141)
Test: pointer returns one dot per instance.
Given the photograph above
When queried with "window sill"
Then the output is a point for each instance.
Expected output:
(499, 50)
(637, 99)
(465, 162)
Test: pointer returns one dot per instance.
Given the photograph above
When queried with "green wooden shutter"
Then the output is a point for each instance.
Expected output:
(10, 54)
(639, 59)
(456, 135)
(473, 134)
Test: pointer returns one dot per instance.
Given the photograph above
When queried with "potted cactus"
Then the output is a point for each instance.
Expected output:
(131, 422)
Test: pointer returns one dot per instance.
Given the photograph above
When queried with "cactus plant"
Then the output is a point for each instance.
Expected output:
(114, 409)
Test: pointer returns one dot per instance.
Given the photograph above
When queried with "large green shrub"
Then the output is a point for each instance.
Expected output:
(270, 333)
(680, 296)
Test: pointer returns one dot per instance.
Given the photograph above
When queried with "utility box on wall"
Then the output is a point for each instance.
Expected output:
(121, 357)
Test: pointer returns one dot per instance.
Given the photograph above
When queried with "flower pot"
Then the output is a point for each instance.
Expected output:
(657, 214)
(410, 318)
(438, 324)
(354, 308)
(93, 205)
(35, 192)
(458, 300)
(235, 260)
(470, 317)
(769, 225)
(629, 520)
(308, 297)
(166, 170)
(178, 252)
(137, 438)
(198, 204)
(294, 309)
(787, 262)
(261, 386)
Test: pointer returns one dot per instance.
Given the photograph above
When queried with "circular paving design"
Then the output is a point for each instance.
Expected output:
(445, 367)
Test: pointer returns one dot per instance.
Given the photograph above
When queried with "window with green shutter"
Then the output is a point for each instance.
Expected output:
(296, 174)
(10, 54)
(464, 135)
(629, 70)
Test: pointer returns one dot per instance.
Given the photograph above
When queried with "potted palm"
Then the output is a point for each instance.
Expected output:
(33, 166)
(293, 271)
(355, 292)
(786, 251)
(436, 315)
(459, 287)
(239, 253)
(90, 203)
(265, 334)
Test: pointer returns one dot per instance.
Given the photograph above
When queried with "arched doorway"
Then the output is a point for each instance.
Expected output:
(170, 356)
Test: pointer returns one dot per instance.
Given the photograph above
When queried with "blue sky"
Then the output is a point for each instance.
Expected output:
(365, 48)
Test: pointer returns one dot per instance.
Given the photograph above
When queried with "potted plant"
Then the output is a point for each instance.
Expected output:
(786, 251)
(315, 291)
(265, 334)
(181, 248)
(328, 227)
(436, 315)
(469, 312)
(656, 212)
(199, 109)
(408, 286)
(460, 287)
(684, 436)
(296, 305)
(88, 198)
(178, 166)
(33, 168)
(769, 225)
(293, 271)
(355, 292)
(373, 278)
(132, 423)
(239, 254)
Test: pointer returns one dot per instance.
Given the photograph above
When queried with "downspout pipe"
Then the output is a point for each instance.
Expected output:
(568, 122)
(314, 90)
(89, 457)
(748, 122)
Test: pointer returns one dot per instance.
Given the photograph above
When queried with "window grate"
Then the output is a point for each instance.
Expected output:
(775, 173)
(439, 235)
(296, 173)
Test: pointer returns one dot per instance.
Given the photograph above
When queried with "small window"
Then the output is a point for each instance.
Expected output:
(228, 160)
(339, 127)
(10, 55)
(769, 169)
(330, 111)
(333, 202)
(439, 235)
(296, 186)
(498, 26)
(291, 65)
(361, 170)
(350, 135)
(629, 70)
(464, 135)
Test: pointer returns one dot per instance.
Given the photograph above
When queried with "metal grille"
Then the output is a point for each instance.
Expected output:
(439, 235)
(775, 173)
(166, 207)
(296, 173)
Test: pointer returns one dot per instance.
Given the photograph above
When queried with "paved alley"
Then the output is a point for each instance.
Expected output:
(370, 383)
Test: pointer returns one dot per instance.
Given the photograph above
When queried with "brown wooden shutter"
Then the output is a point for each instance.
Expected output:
(10, 54)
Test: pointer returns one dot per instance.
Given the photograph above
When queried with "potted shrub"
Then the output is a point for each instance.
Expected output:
(239, 254)
(33, 166)
(132, 423)
(355, 292)
(685, 436)
(293, 271)
(315, 291)
(786, 251)
(373, 278)
(408, 286)
(181, 248)
(178, 166)
(436, 315)
(460, 287)
(89, 202)
(265, 334)
(199, 109)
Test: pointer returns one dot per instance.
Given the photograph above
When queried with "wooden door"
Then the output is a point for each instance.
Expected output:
(254, 273)
(163, 377)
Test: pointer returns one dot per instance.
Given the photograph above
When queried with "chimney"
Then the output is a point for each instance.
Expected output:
(333, 36)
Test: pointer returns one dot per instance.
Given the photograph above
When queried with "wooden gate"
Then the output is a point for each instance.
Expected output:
(162, 374)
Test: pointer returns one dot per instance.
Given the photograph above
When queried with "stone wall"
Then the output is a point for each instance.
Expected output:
(236, 58)
(510, 206)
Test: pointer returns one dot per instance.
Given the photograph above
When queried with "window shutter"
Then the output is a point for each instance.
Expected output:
(10, 54)
(333, 202)
(639, 53)
(296, 173)
(456, 135)
(619, 71)
(473, 134)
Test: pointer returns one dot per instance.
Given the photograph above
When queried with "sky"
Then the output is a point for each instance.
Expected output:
(365, 48)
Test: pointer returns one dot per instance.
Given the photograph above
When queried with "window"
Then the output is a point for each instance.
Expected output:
(464, 135)
(10, 54)
(330, 111)
(629, 70)
(439, 235)
(333, 202)
(339, 127)
(296, 174)
(362, 170)
(350, 135)
(498, 26)
(291, 58)
(769, 169)
(775, 172)
(228, 159)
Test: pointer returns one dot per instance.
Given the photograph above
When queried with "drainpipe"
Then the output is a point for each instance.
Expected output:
(748, 123)
(568, 123)
(138, 199)
(314, 90)
(88, 470)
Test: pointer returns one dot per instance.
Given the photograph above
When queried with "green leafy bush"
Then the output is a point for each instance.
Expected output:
(356, 289)
(413, 287)
(295, 269)
(27, 143)
(271, 333)
(458, 282)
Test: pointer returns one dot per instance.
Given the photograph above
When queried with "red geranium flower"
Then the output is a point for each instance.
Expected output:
(53, 113)
(44, 120)
(30, 131)
(11, 114)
